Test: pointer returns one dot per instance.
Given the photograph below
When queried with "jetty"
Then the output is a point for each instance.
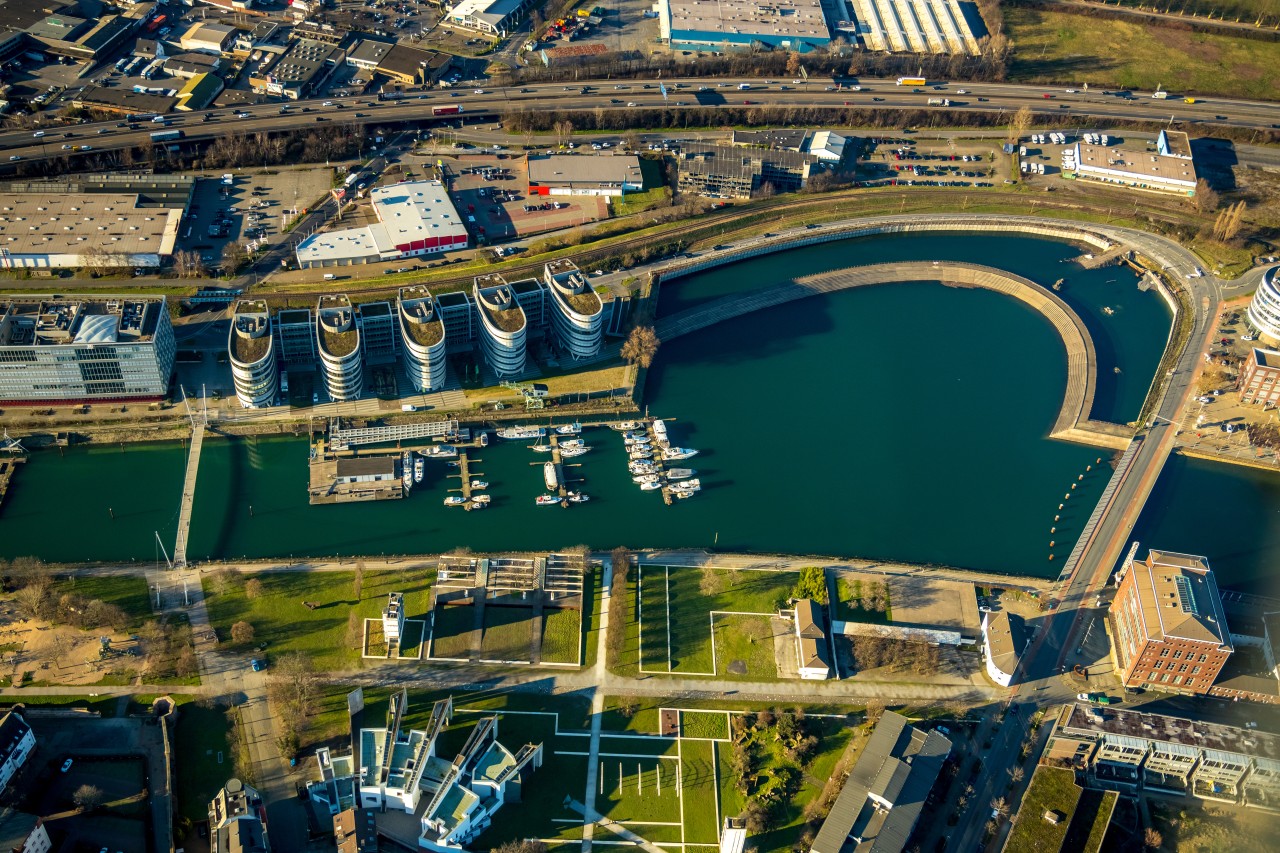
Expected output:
(466, 473)
(1094, 260)
(8, 467)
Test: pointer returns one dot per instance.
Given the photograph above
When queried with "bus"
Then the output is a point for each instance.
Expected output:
(912, 81)
(165, 135)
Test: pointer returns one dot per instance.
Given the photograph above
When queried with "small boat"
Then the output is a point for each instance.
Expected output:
(442, 451)
(646, 478)
(672, 454)
(649, 487)
(578, 498)
(689, 486)
(546, 500)
(1108, 310)
(641, 454)
(477, 505)
(542, 448)
(569, 429)
(682, 494)
(680, 473)
(572, 442)
(623, 426)
(522, 433)
(576, 450)
(452, 464)
(550, 475)
(419, 468)
(642, 466)
(455, 500)
(481, 499)
(479, 484)
(406, 469)
(635, 436)
(636, 442)
(659, 431)
(483, 439)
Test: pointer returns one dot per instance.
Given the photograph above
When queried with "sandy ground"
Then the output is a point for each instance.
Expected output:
(35, 650)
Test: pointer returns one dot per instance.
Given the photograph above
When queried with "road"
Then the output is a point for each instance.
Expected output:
(1000, 98)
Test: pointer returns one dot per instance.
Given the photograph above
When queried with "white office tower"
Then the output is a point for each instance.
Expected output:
(422, 335)
(503, 326)
(338, 343)
(578, 315)
(1264, 310)
(252, 352)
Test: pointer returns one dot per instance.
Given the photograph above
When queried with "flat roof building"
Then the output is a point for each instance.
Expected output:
(99, 232)
(1169, 629)
(1002, 643)
(825, 145)
(585, 174)
(338, 345)
(1171, 169)
(722, 171)
(798, 25)
(422, 338)
(577, 314)
(301, 71)
(1260, 377)
(415, 218)
(206, 37)
(122, 101)
(252, 353)
(503, 325)
(78, 349)
(882, 798)
(495, 17)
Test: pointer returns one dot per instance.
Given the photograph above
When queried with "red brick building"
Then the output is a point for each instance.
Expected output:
(1260, 377)
(1168, 629)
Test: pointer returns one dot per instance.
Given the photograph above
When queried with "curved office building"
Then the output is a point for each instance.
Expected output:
(422, 334)
(1264, 310)
(253, 355)
(578, 316)
(503, 326)
(338, 343)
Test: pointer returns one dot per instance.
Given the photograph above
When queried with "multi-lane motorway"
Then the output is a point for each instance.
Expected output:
(1092, 106)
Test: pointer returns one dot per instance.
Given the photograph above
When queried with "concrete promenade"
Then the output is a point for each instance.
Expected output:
(1073, 422)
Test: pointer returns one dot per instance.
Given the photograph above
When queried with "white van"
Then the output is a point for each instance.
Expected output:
(329, 276)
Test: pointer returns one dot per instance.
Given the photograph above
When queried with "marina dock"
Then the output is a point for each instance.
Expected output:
(8, 467)
(466, 473)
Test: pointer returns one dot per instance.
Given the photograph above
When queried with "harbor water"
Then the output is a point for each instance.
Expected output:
(901, 423)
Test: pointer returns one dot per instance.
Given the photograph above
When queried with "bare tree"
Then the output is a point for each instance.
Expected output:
(1206, 197)
(1019, 123)
(87, 797)
(234, 256)
(242, 632)
(641, 346)
(1152, 839)
(33, 598)
(252, 588)
(1000, 807)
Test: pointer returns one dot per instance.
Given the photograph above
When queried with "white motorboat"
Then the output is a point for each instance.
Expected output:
(479, 484)
(442, 451)
(542, 448)
(694, 485)
(635, 442)
(419, 468)
(682, 494)
(406, 470)
(642, 466)
(455, 500)
(659, 431)
(569, 429)
(647, 478)
(578, 498)
(641, 454)
(680, 473)
(572, 442)
(522, 433)
(576, 450)
(672, 454)
(477, 505)
(546, 500)
(550, 475)
(481, 499)
(623, 426)
(649, 487)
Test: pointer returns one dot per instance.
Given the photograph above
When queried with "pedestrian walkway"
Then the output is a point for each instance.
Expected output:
(188, 495)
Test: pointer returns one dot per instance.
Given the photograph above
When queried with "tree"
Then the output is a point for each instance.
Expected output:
(223, 579)
(1152, 839)
(1017, 774)
(252, 588)
(1229, 222)
(1000, 807)
(33, 598)
(234, 256)
(641, 346)
(186, 665)
(242, 633)
(1019, 123)
(87, 797)
(563, 129)
(812, 584)
(188, 264)
(1206, 198)
(528, 845)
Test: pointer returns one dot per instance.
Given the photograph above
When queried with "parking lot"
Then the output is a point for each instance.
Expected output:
(494, 193)
(933, 162)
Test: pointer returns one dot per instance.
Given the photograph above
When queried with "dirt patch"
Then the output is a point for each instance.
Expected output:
(669, 723)
(737, 667)
(33, 650)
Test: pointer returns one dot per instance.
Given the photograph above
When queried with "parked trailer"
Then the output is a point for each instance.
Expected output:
(939, 102)
(452, 110)
(165, 135)
(912, 81)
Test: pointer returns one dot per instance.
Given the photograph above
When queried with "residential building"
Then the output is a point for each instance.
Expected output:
(1260, 377)
(1002, 643)
(99, 232)
(296, 336)
(17, 742)
(422, 338)
(355, 831)
(23, 833)
(884, 793)
(377, 332)
(812, 649)
(503, 327)
(585, 174)
(205, 37)
(252, 353)
(577, 314)
(722, 171)
(414, 218)
(1133, 751)
(796, 25)
(393, 617)
(338, 345)
(495, 17)
(1171, 169)
(1168, 628)
(84, 349)
(1264, 308)
(238, 820)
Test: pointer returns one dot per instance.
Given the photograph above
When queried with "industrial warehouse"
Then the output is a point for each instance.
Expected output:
(1170, 169)
(49, 230)
(414, 218)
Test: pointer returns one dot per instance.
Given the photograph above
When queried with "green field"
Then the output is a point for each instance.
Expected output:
(744, 647)
(1052, 788)
(451, 633)
(698, 776)
(280, 619)
(561, 635)
(704, 724)
(128, 592)
(854, 603)
(199, 741)
(692, 594)
(508, 633)
(652, 746)
(412, 638)
(639, 790)
(1060, 48)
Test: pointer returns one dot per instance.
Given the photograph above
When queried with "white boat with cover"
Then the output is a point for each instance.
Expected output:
(522, 433)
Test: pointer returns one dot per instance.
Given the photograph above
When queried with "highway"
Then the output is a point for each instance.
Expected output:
(1000, 98)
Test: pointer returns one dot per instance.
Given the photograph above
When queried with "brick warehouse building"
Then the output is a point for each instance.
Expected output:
(1260, 377)
(1168, 628)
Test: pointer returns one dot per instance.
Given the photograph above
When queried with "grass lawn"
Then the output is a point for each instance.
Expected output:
(561, 635)
(104, 705)
(593, 591)
(199, 741)
(704, 724)
(281, 621)
(622, 746)
(644, 720)
(1051, 788)
(744, 647)
(412, 637)
(128, 592)
(1093, 816)
(637, 202)
(653, 619)
(452, 631)
(508, 633)
(639, 790)
(698, 777)
(1073, 49)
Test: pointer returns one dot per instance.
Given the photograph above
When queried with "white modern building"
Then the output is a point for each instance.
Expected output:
(338, 343)
(495, 17)
(252, 353)
(16, 745)
(414, 218)
(393, 617)
(577, 314)
(422, 338)
(1264, 310)
(83, 349)
(1170, 169)
(238, 820)
(503, 327)
(1002, 643)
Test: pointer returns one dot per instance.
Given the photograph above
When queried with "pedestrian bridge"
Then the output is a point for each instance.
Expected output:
(1073, 422)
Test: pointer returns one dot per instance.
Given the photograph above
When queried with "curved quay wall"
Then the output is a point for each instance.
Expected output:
(1073, 422)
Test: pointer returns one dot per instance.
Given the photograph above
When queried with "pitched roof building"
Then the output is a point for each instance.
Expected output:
(16, 745)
